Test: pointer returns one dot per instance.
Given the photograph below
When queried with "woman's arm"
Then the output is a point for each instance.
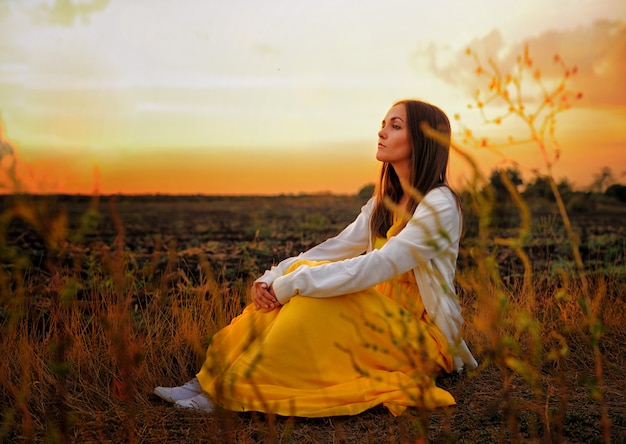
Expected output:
(352, 241)
(433, 230)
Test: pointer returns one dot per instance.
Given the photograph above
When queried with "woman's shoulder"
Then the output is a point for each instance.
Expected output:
(441, 194)
(369, 205)
(438, 200)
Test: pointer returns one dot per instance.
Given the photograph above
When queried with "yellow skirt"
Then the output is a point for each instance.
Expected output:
(332, 356)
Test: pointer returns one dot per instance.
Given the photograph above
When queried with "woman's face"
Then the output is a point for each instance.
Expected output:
(394, 145)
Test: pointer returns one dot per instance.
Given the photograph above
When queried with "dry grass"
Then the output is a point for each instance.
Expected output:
(89, 333)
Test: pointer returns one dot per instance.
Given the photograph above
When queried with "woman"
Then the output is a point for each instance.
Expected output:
(365, 318)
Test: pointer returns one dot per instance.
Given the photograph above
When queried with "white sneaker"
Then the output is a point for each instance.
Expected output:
(199, 402)
(172, 394)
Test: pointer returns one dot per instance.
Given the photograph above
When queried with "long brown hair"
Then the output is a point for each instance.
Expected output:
(429, 163)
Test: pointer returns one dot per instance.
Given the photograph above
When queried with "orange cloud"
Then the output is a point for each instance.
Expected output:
(598, 52)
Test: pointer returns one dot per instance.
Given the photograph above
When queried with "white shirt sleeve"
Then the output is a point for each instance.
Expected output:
(433, 230)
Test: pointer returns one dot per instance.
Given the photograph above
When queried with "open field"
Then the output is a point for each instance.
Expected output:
(104, 298)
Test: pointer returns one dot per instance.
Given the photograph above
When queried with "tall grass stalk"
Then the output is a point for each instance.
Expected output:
(510, 89)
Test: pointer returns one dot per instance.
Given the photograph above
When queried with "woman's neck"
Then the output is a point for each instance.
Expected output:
(402, 170)
(404, 202)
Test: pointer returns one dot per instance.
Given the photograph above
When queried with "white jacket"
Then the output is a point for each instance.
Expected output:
(428, 245)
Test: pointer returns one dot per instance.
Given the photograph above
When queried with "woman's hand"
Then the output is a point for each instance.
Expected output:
(263, 297)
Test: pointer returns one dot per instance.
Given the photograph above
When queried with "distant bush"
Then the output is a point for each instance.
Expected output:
(504, 212)
(582, 203)
(367, 191)
(617, 191)
(540, 188)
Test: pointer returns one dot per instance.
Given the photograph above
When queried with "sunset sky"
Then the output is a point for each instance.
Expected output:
(283, 96)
